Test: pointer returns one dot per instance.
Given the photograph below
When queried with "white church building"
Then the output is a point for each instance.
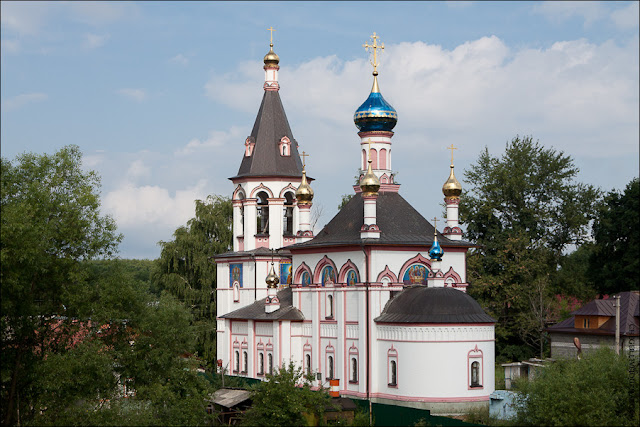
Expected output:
(377, 299)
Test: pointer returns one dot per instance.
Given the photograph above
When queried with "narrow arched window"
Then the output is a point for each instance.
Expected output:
(394, 373)
(246, 362)
(236, 364)
(330, 367)
(261, 363)
(475, 374)
(354, 370)
(287, 222)
(263, 213)
(307, 360)
(270, 362)
(329, 306)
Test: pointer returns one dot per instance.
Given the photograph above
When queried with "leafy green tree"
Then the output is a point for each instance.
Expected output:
(600, 389)
(186, 268)
(614, 264)
(344, 200)
(51, 221)
(286, 399)
(523, 209)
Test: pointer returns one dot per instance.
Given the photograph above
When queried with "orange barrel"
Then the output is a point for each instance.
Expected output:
(334, 391)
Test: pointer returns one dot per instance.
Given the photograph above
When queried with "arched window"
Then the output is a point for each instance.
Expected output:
(263, 213)
(383, 159)
(245, 366)
(329, 306)
(354, 370)
(287, 223)
(330, 367)
(306, 279)
(261, 363)
(364, 160)
(270, 362)
(236, 364)
(307, 363)
(475, 374)
(394, 373)
(374, 159)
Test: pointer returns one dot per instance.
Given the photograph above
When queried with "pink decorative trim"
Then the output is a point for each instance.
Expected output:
(384, 179)
(320, 265)
(454, 230)
(477, 355)
(372, 227)
(384, 188)
(307, 233)
(238, 189)
(288, 187)
(452, 273)
(416, 259)
(375, 133)
(387, 273)
(452, 200)
(261, 187)
(382, 162)
(299, 271)
(345, 269)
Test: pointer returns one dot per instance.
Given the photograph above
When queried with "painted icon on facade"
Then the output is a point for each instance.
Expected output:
(416, 275)
(285, 274)
(306, 279)
(352, 278)
(328, 276)
(235, 274)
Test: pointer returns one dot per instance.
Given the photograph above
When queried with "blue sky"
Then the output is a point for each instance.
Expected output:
(160, 96)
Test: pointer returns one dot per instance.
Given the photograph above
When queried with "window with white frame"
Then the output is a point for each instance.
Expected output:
(475, 374)
(392, 367)
(245, 362)
(330, 367)
(474, 368)
(307, 363)
(261, 363)
(354, 370)
(236, 362)
(270, 363)
(329, 309)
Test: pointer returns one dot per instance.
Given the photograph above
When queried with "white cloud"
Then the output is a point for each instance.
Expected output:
(138, 95)
(92, 41)
(98, 13)
(137, 169)
(20, 101)
(180, 59)
(152, 206)
(560, 11)
(626, 17)
(215, 139)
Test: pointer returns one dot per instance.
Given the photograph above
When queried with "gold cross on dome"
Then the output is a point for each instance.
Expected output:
(435, 223)
(272, 30)
(369, 142)
(374, 48)
(451, 148)
(304, 161)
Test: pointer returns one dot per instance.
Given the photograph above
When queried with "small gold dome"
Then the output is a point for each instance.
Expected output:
(370, 183)
(452, 187)
(304, 193)
(272, 279)
(271, 58)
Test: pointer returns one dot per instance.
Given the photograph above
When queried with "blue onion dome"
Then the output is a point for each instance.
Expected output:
(436, 251)
(375, 114)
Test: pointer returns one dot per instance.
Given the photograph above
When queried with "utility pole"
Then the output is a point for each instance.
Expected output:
(616, 304)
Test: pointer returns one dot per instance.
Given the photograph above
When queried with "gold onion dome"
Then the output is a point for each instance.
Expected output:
(272, 279)
(452, 187)
(271, 58)
(304, 193)
(370, 183)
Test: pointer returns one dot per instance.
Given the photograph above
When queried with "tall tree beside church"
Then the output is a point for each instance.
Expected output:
(523, 209)
(51, 222)
(614, 265)
(187, 270)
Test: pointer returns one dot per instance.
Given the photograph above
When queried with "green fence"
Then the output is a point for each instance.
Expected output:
(392, 415)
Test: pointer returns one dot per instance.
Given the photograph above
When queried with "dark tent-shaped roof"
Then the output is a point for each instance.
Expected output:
(256, 311)
(270, 127)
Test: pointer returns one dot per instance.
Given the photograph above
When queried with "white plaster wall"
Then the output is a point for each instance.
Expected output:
(435, 369)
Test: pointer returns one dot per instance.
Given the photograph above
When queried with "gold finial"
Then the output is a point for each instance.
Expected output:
(272, 30)
(374, 47)
(452, 187)
(435, 225)
(451, 148)
(370, 183)
(304, 193)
